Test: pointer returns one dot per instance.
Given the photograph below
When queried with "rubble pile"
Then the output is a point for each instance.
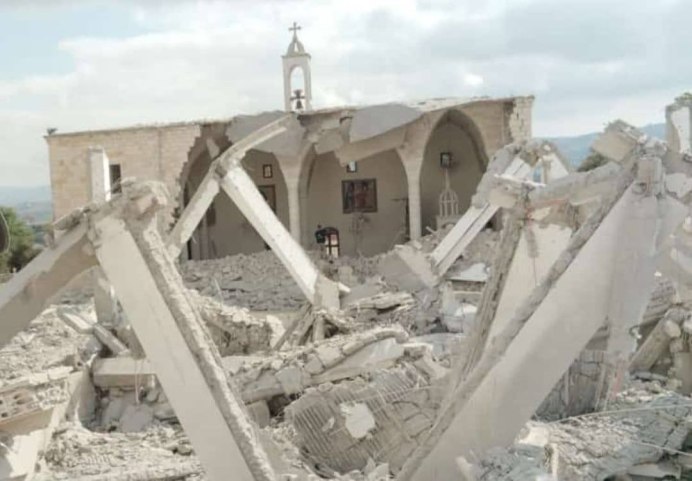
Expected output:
(47, 343)
(642, 433)
(256, 281)
(161, 452)
(547, 335)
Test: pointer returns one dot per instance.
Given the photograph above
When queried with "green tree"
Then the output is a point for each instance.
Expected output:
(22, 248)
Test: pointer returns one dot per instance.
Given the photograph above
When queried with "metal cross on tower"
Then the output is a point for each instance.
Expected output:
(295, 29)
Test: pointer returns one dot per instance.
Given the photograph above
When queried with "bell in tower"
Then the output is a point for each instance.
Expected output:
(296, 57)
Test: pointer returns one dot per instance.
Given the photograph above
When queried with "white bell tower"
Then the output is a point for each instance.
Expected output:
(297, 57)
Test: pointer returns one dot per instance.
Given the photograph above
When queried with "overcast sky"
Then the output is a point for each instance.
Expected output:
(83, 64)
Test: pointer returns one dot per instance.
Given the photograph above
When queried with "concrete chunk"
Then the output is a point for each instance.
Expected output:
(122, 372)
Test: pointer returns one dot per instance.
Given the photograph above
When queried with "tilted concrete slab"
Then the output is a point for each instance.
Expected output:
(286, 143)
(227, 174)
(534, 256)
(209, 187)
(27, 294)
(165, 320)
(554, 334)
(319, 290)
(375, 120)
(471, 223)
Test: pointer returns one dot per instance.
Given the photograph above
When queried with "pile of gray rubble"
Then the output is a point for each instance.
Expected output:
(554, 345)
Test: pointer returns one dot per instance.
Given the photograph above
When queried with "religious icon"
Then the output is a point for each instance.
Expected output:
(267, 171)
(359, 195)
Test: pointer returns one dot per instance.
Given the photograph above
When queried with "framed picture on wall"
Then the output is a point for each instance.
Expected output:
(267, 171)
(359, 195)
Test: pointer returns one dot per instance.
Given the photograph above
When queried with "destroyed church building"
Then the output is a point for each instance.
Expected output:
(377, 175)
(516, 321)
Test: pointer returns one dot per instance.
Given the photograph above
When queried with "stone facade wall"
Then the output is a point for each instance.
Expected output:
(490, 119)
(501, 122)
(164, 153)
(520, 119)
(147, 153)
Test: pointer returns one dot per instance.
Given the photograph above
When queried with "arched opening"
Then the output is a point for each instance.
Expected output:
(454, 157)
(366, 202)
(298, 88)
(224, 230)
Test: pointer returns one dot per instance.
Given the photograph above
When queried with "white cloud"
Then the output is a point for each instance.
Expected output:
(473, 80)
(587, 62)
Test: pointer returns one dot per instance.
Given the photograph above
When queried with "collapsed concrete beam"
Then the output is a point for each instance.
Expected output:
(548, 331)
(319, 290)
(209, 188)
(352, 152)
(123, 372)
(410, 268)
(514, 161)
(470, 224)
(538, 249)
(172, 334)
(227, 173)
(26, 295)
(576, 189)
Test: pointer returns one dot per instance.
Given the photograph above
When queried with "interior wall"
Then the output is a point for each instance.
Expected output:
(224, 231)
(379, 230)
(465, 174)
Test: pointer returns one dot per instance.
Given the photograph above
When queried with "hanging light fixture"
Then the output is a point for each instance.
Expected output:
(446, 158)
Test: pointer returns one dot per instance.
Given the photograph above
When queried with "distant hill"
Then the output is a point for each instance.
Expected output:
(13, 195)
(33, 204)
(577, 148)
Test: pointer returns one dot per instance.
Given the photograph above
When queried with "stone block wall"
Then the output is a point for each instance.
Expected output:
(502, 121)
(146, 153)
